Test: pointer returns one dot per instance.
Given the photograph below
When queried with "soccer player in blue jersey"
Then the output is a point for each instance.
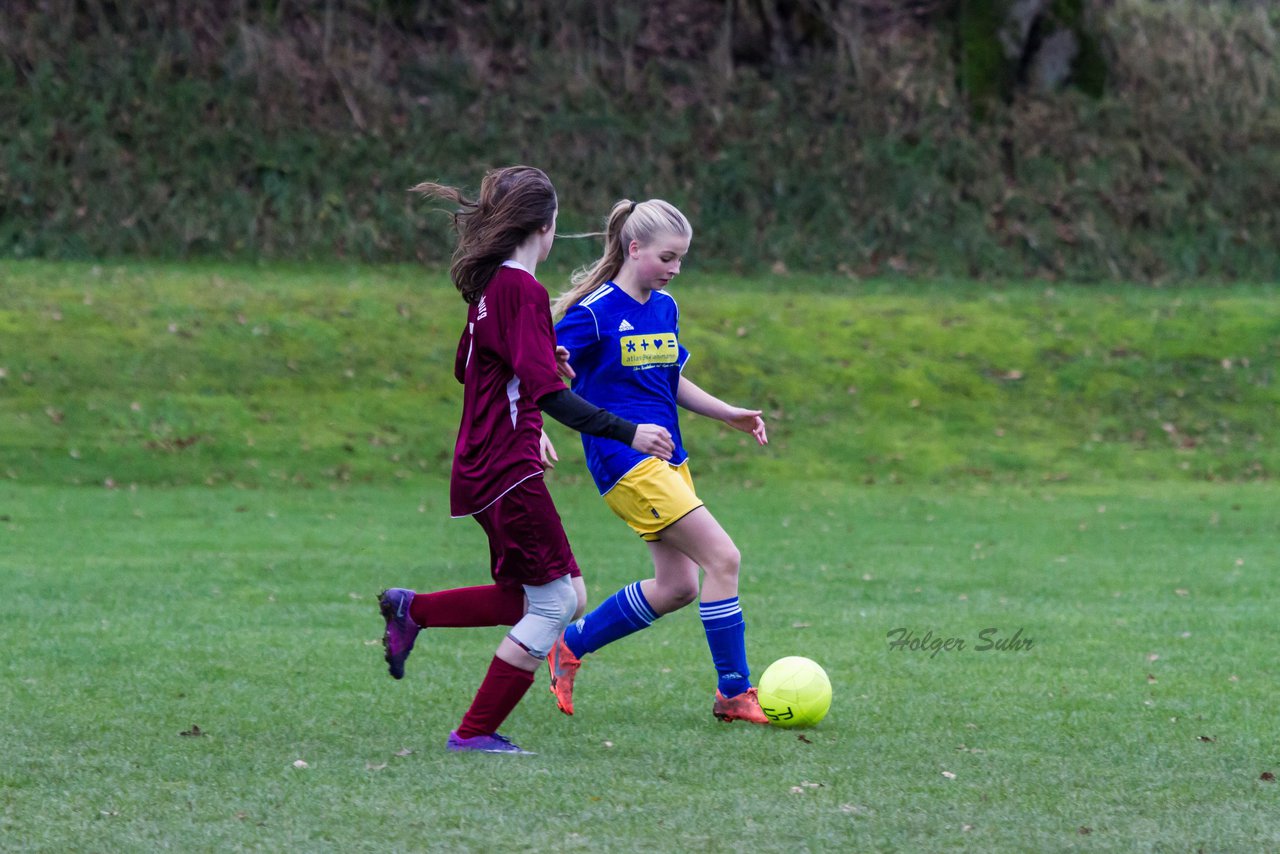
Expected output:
(622, 331)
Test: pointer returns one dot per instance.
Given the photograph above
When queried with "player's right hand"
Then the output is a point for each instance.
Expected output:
(562, 363)
(654, 440)
(547, 451)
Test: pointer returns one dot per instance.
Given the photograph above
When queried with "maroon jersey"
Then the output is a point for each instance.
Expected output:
(506, 361)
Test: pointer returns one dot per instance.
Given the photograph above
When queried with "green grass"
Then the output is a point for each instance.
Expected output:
(1142, 712)
(208, 472)
(312, 375)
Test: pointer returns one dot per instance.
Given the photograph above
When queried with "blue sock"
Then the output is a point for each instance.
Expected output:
(623, 613)
(727, 637)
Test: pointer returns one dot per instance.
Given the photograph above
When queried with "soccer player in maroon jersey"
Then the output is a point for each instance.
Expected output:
(511, 371)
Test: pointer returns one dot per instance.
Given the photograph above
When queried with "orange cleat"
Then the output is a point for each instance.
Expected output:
(744, 707)
(564, 665)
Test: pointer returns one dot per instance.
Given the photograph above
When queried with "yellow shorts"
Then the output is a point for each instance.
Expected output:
(653, 496)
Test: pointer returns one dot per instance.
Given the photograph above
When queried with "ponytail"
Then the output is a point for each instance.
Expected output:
(587, 279)
(627, 221)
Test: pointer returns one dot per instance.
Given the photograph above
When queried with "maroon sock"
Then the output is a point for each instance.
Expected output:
(489, 605)
(501, 690)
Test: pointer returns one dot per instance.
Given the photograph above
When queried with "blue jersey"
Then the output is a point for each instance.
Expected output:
(627, 357)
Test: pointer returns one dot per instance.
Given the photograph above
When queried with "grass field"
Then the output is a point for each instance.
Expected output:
(274, 375)
(1141, 718)
(208, 472)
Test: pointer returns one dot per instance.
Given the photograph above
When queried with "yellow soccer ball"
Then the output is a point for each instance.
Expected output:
(794, 692)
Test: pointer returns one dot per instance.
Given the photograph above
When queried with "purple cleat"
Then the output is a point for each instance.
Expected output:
(486, 744)
(401, 631)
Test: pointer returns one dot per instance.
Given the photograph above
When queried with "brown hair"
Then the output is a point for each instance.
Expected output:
(627, 221)
(514, 202)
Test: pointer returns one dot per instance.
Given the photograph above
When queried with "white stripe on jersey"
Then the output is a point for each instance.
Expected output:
(513, 395)
(595, 296)
(600, 292)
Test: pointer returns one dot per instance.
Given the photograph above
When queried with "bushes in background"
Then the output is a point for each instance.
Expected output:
(797, 135)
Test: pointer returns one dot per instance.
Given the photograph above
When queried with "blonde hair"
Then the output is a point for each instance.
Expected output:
(514, 202)
(628, 221)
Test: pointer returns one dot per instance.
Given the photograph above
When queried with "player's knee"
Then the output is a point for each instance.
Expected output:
(551, 608)
(556, 601)
(680, 593)
(567, 607)
(724, 562)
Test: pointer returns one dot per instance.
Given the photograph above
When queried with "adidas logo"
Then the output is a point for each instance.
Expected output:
(625, 327)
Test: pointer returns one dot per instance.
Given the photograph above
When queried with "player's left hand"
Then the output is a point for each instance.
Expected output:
(562, 363)
(749, 421)
(547, 451)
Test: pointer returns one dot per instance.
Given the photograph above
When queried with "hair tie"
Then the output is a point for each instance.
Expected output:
(631, 209)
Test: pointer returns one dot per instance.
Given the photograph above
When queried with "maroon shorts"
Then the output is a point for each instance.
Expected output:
(527, 543)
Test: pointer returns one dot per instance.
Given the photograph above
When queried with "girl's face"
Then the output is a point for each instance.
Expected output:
(657, 262)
